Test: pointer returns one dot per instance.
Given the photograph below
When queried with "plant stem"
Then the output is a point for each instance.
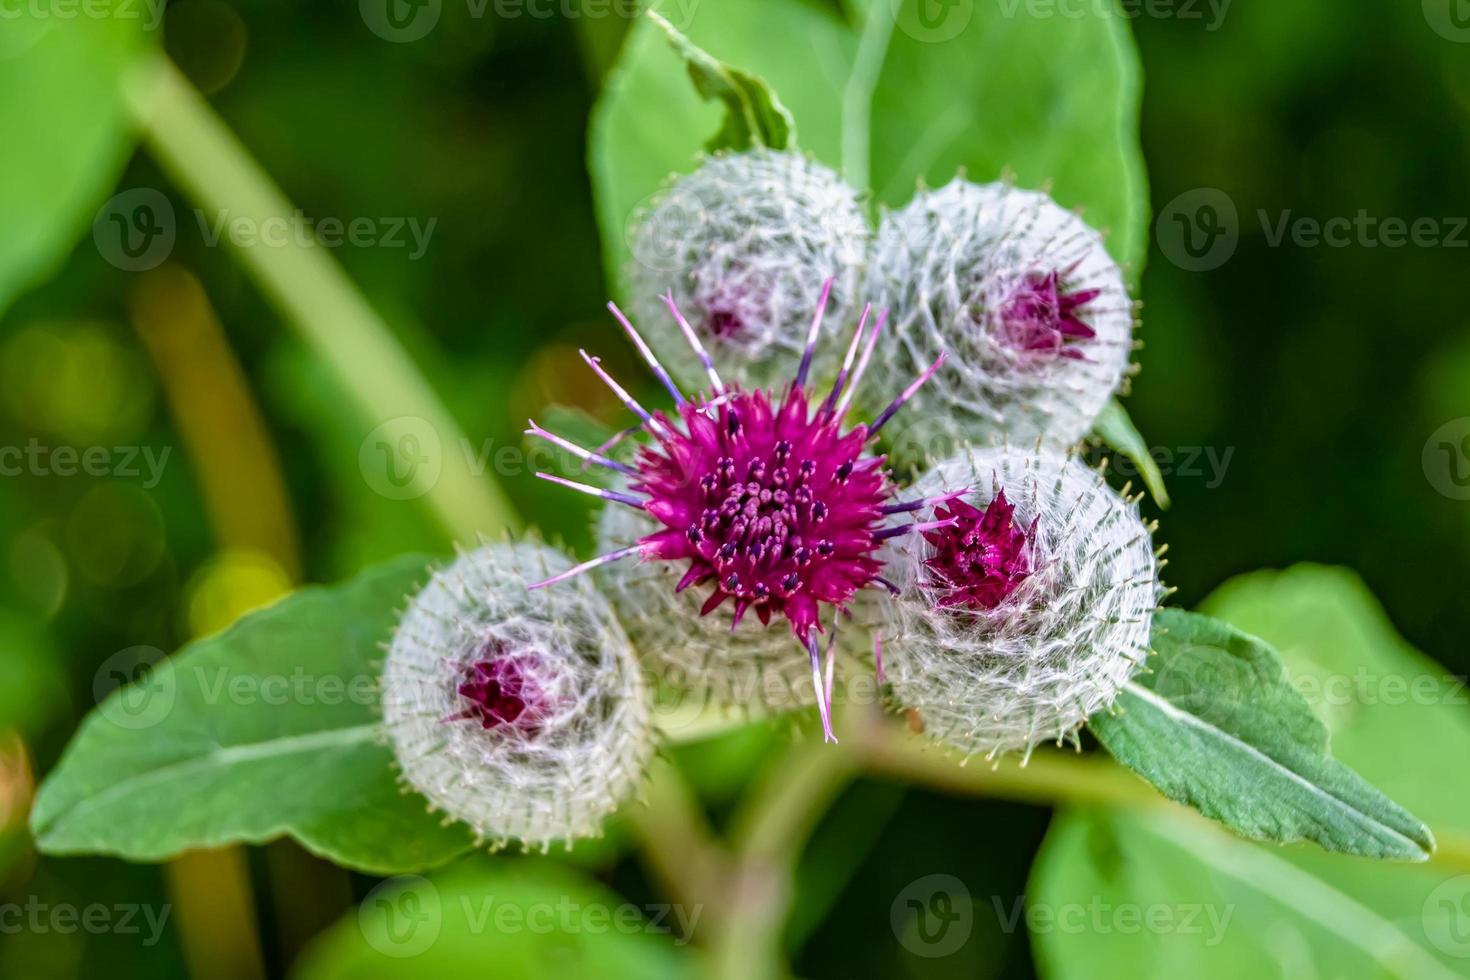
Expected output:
(308, 286)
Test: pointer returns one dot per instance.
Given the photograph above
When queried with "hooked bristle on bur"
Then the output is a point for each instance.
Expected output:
(1028, 613)
(521, 713)
(740, 241)
(1022, 295)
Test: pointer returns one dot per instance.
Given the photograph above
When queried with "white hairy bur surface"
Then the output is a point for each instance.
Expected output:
(588, 750)
(945, 264)
(751, 235)
(750, 666)
(1060, 646)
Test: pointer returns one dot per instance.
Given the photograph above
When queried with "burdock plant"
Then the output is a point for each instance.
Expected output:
(756, 546)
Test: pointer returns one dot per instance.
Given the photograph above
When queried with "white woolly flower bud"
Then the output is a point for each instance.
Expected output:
(1025, 300)
(521, 713)
(1029, 612)
(740, 242)
(749, 665)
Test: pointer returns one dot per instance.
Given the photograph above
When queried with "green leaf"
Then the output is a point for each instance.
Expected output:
(76, 136)
(1116, 430)
(1395, 716)
(1217, 726)
(514, 920)
(270, 728)
(893, 100)
(1120, 895)
(753, 115)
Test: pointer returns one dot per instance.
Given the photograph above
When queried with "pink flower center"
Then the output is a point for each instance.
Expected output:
(724, 323)
(1040, 316)
(774, 504)
(981, 558)
(497, 692)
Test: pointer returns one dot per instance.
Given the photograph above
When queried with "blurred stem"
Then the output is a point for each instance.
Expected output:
(308, 286)
(676, 839)
(768, 834)
(857, 95)
(219, 940)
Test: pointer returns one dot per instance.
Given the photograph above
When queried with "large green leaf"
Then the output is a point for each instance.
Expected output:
(1396, 717)
(64, 132)
(1217, 725)
(891, 100)
(267, 729)
(513, 920)
(1129, 895)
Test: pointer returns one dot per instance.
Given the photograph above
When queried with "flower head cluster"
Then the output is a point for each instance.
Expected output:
(740, 242)
(767, 498)
(1023, 296)
(1016, 623)
(521, 713)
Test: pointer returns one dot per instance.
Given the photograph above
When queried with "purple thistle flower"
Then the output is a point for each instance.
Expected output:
(768, 499)
(1039, 316)
(499, 692)
(982, 557)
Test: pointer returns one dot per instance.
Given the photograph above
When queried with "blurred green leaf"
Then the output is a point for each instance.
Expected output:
(891, 99)
(1128, 895)
(1395, 716)
(267, 729)
(754, 116)
(64, 130)
(522, 920)
(1115, 429)
(1217, 726)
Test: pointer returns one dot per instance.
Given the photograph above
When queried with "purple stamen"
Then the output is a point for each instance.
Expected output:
(647, 355)
(628, 401)
(862, 367)
(586, 455)
(824, 706)
(693, 339)
(908, 393)
(600, 560)
(857, 336)
(893, 532)
(922, 502)
(811, 335)
(613, 495)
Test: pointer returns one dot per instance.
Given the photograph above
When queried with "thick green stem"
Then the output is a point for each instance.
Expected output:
(414, 429)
